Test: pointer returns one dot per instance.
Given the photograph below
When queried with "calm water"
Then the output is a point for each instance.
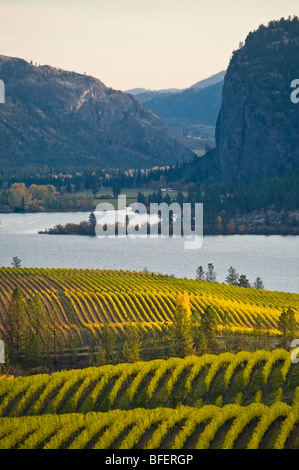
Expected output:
(274, 258)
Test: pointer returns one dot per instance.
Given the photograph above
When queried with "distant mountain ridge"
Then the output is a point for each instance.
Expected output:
(218, 77)
(190, 114)
(54, 117)
(143, 94)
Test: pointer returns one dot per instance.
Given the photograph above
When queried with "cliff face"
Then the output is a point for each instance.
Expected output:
(257, 131)
(61, 118)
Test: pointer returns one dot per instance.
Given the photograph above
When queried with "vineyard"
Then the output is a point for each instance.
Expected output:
(121, 297)
(226, 401)
(261, 376)
(209, 427)
(246, 399)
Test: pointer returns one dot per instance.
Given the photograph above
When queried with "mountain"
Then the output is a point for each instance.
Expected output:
(144, 95)
(218, 77)
(199, 105)
(190, 114)
(61, 118)
(257, 132)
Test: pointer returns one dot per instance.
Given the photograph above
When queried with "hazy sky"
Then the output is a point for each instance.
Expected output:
(134, 43)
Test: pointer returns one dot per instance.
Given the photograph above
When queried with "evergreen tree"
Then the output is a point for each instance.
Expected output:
(167, 199)
(16, 325)
(258, 283)
(94, 185)
(200, 274)
(92, 220)
(107, 342)
(38, 332)
(208, 331)
(191, 195)
(288, 326)
(211, 275)
(180, 198)
(56, 338)
(16, 262)
(141, 198)
(72, 333)
(159, 196)
(243, 281)
(257, 332)
(233, 276)
(132, 345)
(116, 189)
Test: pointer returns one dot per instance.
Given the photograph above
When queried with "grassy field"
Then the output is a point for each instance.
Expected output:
(130, 193)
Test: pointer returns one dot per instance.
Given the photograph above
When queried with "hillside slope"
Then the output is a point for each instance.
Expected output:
(190, 403)
(191, 113)
(119, 297)
(61, 118)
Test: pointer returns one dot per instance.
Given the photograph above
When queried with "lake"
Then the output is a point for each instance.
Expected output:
(275, 258)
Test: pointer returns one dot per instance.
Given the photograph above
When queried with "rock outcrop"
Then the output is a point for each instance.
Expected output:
(257, 131)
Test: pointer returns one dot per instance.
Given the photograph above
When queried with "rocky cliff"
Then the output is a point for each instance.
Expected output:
(257, 131)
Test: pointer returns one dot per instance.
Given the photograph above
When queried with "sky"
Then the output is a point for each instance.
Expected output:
(152, 44)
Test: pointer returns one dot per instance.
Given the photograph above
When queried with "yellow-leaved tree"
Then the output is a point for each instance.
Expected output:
(180, 331)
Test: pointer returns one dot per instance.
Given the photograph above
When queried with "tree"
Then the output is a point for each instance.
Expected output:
(107, 343)
(16, 325)
(56, 334)
(191, 195)
(232, 277)
(38, 332)
(92, 220)
(243, 281)
(141, 198)
(180, 198)
(287, 325)
(211, 275)
(207, 331)
(72, 333)
(200, 274)
(16, 262)
(180, 330)
(116, 189)
(132, 344)
(258, 283)
(94, 185)
(257, 332)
